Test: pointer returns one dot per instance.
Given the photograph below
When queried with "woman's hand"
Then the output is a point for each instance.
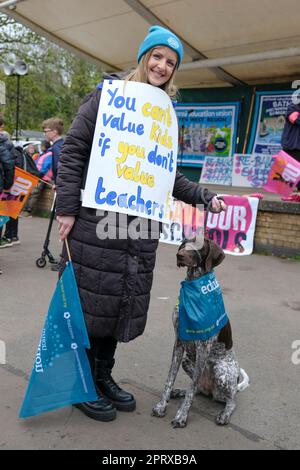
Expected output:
(65, 224)
(217, 205)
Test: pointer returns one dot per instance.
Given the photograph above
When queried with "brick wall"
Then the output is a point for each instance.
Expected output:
(278, 228)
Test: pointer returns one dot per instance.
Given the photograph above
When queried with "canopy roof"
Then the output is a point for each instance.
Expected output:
(109, 32)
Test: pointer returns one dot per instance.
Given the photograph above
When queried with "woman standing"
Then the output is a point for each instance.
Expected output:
(114, 276)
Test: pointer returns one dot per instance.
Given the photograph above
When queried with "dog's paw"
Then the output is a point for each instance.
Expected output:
(222, 418)
(179, 422)
(159, 410)
(178, 393)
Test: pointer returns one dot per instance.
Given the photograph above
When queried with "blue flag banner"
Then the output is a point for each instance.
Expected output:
(201, 308)
(3, 220)
(61, 374)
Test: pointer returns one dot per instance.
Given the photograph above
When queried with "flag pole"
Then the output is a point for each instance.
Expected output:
(68, 249)
(46, 182)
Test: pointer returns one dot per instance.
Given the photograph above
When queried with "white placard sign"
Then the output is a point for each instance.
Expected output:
(217, 170)
(251, 170)
(132, 166)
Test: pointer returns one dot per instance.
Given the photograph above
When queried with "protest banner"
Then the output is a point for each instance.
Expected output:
(13, 199)
(268, 122)
(284, 174)
(217, 170)
(132, 166)
(185, 221)
(233, 230)
(61, 374)
(251, 170)
(206, 129)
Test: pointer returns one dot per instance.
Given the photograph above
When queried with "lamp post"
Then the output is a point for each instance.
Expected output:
(14, 66)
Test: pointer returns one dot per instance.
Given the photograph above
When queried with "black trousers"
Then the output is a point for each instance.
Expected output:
(11, 229)
(101, 348)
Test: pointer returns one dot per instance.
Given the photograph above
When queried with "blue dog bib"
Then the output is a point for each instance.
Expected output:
(201, 308)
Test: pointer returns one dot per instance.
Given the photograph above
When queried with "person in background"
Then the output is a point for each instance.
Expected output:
(53, 129)
(25, 160)
(30, 150)
(44, 162)
(7, 164)
(290, 139)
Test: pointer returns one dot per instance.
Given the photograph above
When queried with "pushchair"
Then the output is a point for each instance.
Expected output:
(46, 253)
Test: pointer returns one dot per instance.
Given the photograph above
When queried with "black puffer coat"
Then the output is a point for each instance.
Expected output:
(6, 163)
(114, 276)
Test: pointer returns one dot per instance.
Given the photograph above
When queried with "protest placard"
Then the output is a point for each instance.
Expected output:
(185, 221)
(132, 166)
(251, 170)
(233, 230)
(284, 174)
(217, 170)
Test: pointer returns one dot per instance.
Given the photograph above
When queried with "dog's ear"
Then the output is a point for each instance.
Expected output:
(213, 256)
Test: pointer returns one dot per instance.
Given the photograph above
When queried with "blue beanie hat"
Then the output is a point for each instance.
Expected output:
(159, 36)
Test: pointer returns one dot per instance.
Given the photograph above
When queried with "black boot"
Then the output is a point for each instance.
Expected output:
(122, 400)
(100, 410)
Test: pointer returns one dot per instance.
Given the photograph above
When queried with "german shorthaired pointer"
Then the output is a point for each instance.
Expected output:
(210, 363)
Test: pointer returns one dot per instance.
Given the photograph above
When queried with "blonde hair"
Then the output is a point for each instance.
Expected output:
(140, 74)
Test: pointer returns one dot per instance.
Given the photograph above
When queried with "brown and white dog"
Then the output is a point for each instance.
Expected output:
(211, 364)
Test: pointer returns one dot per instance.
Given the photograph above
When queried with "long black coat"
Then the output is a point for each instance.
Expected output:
(6, 163)
(114, 276)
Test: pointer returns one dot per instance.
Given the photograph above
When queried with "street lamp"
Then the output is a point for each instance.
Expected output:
(13, 66)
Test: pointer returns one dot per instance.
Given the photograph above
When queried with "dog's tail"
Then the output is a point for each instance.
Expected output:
(244, 382)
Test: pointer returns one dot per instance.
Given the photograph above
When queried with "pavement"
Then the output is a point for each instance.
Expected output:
(262, 297)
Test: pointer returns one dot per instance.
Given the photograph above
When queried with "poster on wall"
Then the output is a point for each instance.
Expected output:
(268, 122)
(208, 129)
